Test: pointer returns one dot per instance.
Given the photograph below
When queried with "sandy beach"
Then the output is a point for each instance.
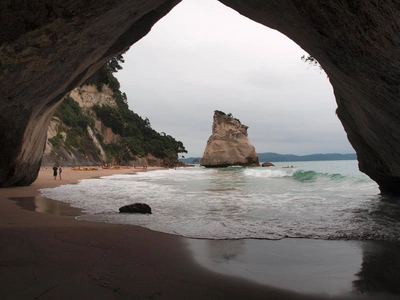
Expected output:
(54, 256)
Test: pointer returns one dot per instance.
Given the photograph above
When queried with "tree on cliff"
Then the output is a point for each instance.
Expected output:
(104, 76)
(136, 137)
(113, 64)
(312, 61)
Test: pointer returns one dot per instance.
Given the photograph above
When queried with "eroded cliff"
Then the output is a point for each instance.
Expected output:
(60, 151)
(94, 126)
(48, 48)
(228, 144)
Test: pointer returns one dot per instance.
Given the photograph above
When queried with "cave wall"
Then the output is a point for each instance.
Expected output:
(49, 48)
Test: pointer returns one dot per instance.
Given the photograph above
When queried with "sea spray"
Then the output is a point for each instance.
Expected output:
(324, 200)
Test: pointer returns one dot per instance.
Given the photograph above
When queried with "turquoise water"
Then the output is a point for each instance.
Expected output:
(324, 200)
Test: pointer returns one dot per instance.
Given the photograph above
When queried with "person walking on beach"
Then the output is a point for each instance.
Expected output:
(59, 171)
(55, 172)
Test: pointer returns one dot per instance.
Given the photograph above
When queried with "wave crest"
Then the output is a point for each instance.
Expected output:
(267, 173)
(309, 176)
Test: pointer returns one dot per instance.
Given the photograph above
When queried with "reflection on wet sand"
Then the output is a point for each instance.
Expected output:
(367, 269)
(224, 251)
(380, 269)
(44, 205)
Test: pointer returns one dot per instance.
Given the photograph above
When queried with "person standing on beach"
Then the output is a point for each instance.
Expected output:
(55, 172)
(59, 171)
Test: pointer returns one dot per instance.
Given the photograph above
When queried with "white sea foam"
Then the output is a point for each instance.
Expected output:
(234, 203)
(268, 173)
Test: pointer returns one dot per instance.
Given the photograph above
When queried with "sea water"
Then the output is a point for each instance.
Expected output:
(320, 200)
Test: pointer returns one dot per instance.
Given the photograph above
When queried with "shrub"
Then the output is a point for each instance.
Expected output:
(56, 140)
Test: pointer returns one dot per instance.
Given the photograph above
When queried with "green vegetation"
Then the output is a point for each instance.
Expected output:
(56, 140)
(74, 123)
(219, 112)
(136, 137)
(72, 115)
(224, 114)
(312, 61)
(104, 76)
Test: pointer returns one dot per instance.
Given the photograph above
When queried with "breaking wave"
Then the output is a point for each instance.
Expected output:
(314, 201)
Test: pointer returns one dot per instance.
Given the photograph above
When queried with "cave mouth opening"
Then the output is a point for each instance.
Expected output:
(186, 68)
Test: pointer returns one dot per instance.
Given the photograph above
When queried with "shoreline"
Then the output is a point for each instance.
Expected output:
(50, 256)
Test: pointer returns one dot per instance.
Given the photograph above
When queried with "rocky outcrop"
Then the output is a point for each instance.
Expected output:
(49, 47)
(136, 208)
(228, 144)
(89, 95)
(267, 164)
(86, 96)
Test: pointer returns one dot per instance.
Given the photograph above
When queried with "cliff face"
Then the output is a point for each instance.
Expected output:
(49, 48)
(68, 146)
(59, 154)
(228, 144)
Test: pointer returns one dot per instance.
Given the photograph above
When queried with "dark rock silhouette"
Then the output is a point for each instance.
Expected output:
(136, 208)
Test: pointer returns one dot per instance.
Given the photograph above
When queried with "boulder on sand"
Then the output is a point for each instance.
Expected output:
(136, 208)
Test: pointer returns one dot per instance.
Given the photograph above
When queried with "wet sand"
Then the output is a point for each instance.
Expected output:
(332, 268)
(46, 254)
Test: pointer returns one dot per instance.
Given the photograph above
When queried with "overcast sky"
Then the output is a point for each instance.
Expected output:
(204, 56)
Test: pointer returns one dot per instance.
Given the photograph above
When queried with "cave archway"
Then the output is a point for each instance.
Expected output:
(236, 65)
(49, 48)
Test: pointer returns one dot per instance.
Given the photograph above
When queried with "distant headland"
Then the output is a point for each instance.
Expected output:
(276, 157)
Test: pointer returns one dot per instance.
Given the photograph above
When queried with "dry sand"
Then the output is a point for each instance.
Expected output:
(47, 256)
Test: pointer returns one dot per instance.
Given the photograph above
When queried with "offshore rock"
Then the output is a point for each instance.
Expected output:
(267, 164)
(228, 144)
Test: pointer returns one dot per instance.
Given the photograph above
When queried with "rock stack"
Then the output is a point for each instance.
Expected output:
(228, 144)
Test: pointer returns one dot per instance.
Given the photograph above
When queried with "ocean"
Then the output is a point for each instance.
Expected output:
(317, 228)
(327, 200)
